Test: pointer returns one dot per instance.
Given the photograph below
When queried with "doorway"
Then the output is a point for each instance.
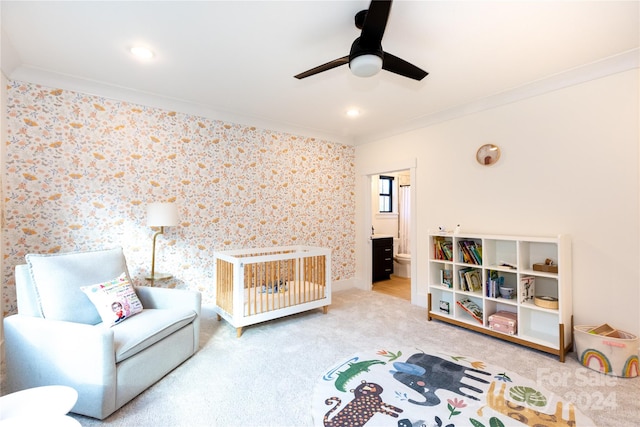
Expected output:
(388, 224)
(391, 214)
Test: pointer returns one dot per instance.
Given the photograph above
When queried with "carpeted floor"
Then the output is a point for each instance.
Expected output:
(267, 377)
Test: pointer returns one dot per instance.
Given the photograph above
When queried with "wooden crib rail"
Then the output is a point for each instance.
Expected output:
(224, 285)
(261, 283)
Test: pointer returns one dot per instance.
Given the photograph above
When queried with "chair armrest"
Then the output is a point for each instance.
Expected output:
(44, 352)
(171, 298)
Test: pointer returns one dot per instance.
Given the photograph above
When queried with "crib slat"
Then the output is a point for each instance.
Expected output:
(251, 297)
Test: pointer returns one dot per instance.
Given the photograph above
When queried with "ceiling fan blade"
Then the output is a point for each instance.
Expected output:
(375, 23)
(324, 67)
(400, 66)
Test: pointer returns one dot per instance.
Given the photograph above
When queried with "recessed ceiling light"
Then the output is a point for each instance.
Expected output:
(141, 52)
(353, 112)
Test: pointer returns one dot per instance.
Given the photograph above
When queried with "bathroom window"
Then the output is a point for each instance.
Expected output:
(385, 185)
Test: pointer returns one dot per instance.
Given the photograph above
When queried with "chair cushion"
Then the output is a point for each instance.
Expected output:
(147, 328)
(58, 278)
(115, 299)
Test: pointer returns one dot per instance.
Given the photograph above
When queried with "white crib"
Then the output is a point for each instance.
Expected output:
(256, 285)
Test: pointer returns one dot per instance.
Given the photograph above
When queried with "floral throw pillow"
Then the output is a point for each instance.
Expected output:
(115, 300)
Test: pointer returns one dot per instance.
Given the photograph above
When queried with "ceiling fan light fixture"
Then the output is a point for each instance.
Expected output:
(366, 65)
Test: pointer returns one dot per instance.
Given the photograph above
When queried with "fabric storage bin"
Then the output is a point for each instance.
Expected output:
(504, 321)
(616, 356)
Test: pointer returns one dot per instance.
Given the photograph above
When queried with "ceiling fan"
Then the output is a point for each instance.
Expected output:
(366, 57)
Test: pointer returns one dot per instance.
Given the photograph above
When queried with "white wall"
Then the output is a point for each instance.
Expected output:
(570, 164)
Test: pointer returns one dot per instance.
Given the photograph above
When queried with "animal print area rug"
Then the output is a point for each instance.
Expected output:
(413, 389)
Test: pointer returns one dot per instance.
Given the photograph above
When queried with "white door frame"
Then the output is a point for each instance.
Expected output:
(367, 221)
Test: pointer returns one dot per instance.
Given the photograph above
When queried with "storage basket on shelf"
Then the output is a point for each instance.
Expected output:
(615, 353)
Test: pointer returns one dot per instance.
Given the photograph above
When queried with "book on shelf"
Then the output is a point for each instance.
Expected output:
(464, 253)
(527, 289)
(494, 282)
(462, 279)
(446, 278)
(447, 249)
(476, 250)
(472, 308)
(442, 248)
(470, 279)
(510, 265)
(474, 280)
(444, 307)
(471, 252)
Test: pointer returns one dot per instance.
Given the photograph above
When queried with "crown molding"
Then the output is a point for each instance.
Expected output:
(615, 64)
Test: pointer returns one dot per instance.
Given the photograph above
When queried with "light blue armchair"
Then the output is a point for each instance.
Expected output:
(57, 337)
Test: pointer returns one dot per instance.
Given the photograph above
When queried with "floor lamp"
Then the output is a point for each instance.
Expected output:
(160, 215)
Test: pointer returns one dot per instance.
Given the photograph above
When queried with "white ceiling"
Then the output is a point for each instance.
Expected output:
(235, 60)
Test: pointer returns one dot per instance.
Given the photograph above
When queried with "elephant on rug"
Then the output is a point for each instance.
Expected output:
(426, 374)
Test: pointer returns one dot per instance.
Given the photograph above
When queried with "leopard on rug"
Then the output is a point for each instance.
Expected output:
(365, 404)
(414, 388)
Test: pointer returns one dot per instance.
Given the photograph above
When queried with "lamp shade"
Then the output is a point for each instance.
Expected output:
(365, 65)
(162, 214)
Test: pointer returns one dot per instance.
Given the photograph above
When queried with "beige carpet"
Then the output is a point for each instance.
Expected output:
(267, 377)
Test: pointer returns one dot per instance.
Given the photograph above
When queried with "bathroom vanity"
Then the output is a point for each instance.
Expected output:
(382, 257)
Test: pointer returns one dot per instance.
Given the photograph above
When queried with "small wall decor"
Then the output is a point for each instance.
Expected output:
(488, 154)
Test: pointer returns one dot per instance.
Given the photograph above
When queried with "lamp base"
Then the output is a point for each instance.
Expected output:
(159, 276)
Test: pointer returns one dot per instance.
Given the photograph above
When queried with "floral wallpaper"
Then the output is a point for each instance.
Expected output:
(80, 170)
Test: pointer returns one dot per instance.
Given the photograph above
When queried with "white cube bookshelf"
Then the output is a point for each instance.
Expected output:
(511, 259)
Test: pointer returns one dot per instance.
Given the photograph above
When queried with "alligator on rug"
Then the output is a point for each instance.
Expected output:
(412, 388)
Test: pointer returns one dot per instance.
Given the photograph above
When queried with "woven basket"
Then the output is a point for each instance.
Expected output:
(617, 356)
